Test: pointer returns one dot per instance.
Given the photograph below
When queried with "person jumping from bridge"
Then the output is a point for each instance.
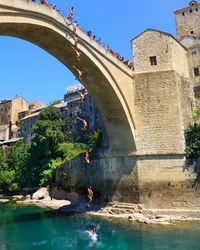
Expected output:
(85, 125)
(87, 156)
(78, 54)
(80, 73)
(90, 194)
(75, 40)
(82, 97)
(71, 13)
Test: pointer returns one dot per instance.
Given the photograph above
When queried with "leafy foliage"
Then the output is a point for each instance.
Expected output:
(68, 151)
(23, 165)
(8, 180)
(95, 139)
(12, 166)
(192, 137)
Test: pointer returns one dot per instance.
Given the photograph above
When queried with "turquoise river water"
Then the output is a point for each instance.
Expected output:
(30, 228)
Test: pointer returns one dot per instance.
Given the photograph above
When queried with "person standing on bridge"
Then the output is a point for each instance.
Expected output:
(44, 2)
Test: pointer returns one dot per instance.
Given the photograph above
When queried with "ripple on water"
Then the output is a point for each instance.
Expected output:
(33, 228)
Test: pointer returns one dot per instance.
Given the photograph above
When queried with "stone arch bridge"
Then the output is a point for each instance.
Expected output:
(108, 80)
(144, 113)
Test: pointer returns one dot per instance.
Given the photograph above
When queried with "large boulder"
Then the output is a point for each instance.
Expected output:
(40, 194)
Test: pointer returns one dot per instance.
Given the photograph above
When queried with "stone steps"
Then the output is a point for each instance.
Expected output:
(119, 207)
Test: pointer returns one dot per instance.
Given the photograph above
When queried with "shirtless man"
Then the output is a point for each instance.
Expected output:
(80, 73)
(78, 53)
(71, 14)
(87, 156)
(85, 125)
(90, 194)
(82, 97)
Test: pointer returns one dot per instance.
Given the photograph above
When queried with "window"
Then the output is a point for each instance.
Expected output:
(194, 52)
(190, 11)
(197, 9)
(183, 13)
(196, 71)
(191, 32)
(153, 60)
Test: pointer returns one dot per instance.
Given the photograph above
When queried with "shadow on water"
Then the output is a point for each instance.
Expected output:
(28, 214)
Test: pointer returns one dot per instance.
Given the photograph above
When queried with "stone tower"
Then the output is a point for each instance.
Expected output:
(188, 34)
(187, 20)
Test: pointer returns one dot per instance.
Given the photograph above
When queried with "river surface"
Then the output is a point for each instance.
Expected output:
(30, 228)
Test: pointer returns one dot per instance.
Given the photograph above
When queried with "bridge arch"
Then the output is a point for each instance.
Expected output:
(108, 80)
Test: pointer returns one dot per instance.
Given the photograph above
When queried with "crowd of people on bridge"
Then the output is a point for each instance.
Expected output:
(75, 24)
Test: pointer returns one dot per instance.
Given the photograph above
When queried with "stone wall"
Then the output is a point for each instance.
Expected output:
(158, 113)
(155, 181)
(111, 178)
(164, 183)
(18, 105)
(179, 59)
(187, 100)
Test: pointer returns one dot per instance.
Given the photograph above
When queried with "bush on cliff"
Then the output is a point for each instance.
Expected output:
(192, 137)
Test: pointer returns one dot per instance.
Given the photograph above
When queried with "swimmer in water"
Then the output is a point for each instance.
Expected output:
(93, 231)
(93, 237)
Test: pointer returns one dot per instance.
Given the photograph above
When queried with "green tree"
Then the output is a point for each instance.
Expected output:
(13, 166)
(49, 133)
(68, 151)
(56, 102)
(192, 137)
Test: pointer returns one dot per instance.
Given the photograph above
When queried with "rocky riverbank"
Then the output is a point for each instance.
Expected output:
(131, 212)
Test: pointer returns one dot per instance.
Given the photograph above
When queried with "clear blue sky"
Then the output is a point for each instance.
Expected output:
(28, 71)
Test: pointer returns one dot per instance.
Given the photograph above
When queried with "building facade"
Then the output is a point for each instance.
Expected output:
(188, 33)
(9, 110)
(78, 110)
(73, 111)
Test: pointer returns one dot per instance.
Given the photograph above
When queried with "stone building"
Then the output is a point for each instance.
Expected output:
(9, 110)
(87, 110)
(4, 132)
(26, 124)
(71, 110)
(165, 53)
(188, 33)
